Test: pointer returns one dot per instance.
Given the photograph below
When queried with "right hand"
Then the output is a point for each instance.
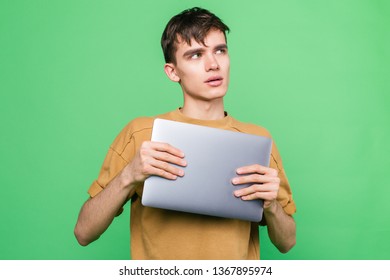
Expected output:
(156, 158)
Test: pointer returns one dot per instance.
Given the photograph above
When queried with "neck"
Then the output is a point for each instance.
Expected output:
(204, 110)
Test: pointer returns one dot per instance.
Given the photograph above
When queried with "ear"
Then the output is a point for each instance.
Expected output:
(170, 70)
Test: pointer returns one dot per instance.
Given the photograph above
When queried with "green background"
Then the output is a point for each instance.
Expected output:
(315, 73)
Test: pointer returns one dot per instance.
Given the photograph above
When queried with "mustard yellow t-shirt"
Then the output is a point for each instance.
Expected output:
(165, 234)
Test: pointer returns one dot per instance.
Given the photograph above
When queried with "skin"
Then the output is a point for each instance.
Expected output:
(195, 65)
(203, 74)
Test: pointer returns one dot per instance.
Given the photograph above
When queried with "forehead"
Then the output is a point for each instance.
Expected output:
(213, 38)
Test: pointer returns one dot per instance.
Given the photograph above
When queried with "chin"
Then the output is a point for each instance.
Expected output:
(218, 94)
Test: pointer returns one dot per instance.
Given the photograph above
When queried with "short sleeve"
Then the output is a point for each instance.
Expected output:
(112, 165)
(121, 152)
(285, 194)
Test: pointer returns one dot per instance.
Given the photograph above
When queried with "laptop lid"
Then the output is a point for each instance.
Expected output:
(212, 156)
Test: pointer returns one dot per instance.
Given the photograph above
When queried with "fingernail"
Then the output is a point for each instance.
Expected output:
(235, 181)
(237, 193)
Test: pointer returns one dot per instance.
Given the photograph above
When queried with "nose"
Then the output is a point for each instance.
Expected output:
(211, 63)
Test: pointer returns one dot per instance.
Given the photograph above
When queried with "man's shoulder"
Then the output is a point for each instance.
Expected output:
(143, 123)
(138, 124)
(139, 128)
(250, 128)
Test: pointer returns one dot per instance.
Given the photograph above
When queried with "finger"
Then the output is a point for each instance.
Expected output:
(266, 192)
(255, 179)
(257, 168)
(151, 170)
(163, 167)
(167, 153)
(167, 157)
(268, 196)
(147, 147)
(158, 158)
(165, 147)
(256, 188)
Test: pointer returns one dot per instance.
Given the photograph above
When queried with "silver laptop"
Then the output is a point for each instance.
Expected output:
(212, 156)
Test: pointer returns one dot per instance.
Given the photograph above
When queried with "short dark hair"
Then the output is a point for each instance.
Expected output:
(194, 23)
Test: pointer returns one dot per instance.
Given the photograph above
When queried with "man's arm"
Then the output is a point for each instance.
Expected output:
(281, 227)
(98, 212)
(265, 185)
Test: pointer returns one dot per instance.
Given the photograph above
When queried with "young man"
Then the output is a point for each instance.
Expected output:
(196, 54)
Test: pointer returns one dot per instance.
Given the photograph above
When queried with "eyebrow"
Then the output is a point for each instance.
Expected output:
(193, 51)
(220, 46)
(202, 49)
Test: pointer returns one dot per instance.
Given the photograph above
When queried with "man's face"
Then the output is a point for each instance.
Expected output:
(202, 70)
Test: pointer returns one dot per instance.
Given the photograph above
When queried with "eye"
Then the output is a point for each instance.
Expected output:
(221, 51)
(195, 56)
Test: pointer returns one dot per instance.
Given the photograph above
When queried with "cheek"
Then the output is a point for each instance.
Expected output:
(227, 70)
(224, 64)
(227, 64)
(188, 72)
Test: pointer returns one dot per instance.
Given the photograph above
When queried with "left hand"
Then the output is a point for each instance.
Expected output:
(264, 183)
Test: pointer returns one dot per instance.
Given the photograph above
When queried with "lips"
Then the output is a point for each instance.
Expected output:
(214, 81)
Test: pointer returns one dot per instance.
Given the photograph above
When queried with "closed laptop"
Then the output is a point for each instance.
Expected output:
(212, 156)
